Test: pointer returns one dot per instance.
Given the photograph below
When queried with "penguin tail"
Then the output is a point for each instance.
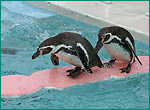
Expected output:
(133, 52)
(138, 59)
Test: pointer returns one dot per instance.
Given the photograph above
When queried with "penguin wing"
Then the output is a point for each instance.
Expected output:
(54, 59)
(82, 55)
(127, 43)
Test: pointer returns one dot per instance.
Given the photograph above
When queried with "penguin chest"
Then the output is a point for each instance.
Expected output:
(69, 58)
(118, 52)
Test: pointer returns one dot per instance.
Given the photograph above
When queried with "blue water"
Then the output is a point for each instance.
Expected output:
(24, 27)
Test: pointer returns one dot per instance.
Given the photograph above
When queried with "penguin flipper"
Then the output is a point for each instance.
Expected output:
(54, 59)
(81, 54)
(127, 43)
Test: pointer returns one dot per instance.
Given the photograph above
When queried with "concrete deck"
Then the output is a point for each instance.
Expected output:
(132, 15)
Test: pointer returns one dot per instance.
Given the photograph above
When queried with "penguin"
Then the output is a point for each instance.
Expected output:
(73, 49)
(120, 44)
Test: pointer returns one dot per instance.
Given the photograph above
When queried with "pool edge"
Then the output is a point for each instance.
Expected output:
(87, 18)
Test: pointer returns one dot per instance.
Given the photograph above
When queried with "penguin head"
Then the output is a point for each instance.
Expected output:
(42, 51)
(103, 35)
(44, 48)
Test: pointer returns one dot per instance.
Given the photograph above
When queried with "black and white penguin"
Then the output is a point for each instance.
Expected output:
(119, 43)
(73, 49)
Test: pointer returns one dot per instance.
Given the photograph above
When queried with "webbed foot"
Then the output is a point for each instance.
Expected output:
(73, 70)
(126, 69)
(109, 64)
(76, 73)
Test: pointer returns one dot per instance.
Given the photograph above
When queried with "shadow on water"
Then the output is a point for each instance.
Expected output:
(8, 51)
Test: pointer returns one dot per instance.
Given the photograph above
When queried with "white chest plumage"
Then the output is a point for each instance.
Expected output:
(72, 59)
(117, 52)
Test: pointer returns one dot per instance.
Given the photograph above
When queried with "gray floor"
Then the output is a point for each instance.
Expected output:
(134, 14)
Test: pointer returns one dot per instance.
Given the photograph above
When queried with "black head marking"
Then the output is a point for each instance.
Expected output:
(41, 51)
(104, 34)
(45, 50)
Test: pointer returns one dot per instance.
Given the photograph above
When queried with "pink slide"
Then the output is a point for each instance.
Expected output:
(16, 85)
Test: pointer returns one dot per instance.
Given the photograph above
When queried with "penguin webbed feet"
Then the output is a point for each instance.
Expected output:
(126, 69)
(75, 72)
(100, 65)
(109, 64)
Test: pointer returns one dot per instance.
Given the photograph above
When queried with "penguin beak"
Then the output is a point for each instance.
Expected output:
(99, 45)
(36, 54)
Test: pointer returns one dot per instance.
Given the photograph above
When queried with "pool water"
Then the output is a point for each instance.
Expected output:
(24, 27)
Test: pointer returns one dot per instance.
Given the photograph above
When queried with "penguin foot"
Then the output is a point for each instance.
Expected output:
(126, 69)
(73, 70)
(109, 64)
(100, 66)
(74, 74)
(70, 70)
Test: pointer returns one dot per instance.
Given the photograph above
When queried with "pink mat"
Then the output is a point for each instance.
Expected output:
(15, 85)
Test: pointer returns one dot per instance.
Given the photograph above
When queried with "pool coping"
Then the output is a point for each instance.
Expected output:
(87, 18)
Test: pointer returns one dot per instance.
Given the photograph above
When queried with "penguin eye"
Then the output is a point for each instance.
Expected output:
(103, 36)
(107, 35)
